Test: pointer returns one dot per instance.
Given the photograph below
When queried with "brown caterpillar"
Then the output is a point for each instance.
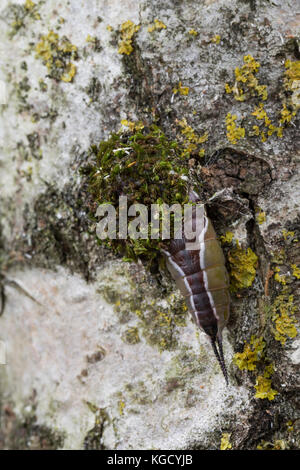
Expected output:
(202, 278)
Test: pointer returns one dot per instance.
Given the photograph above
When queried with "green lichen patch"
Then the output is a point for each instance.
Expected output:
(148, 168)
(57, 54)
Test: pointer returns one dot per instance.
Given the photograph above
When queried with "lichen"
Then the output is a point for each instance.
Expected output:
(263, 385)
(57, 54)
(191, 141)
(234, 133)
(252, 353)
(131, 336)
(246, 84)
(156, 26)
(225, 441)
(20, 14)
(283, 317)
(193, 32)
(243, 263)
(216, 39)
(296, 271)
(128, 30)
(227, 238)
(94, 438)
(292, 83)
(182, 90)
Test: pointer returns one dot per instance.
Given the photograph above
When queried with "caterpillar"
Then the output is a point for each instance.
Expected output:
(201, 276)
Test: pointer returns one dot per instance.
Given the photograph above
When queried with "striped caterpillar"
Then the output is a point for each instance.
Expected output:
(202, 278)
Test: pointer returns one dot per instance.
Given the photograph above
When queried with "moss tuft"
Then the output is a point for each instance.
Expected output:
(148, 168)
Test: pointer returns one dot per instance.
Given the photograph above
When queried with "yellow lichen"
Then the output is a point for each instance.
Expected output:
(263, 385)
(133, 126)
(216, 39)
(296, 271)
(227, 238)
(182, 90)
(246, 84)
(243, 267)
(191, 139)
(279, 277)
(260, 217)
(156, 26)
(121, 407)
(57, 54)
(234, 133)
(251, 354)
(283, 317)
(289, 236)
(128, 30)
(192, 32)
(225, 441)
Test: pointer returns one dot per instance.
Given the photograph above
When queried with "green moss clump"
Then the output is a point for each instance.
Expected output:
(144, 165)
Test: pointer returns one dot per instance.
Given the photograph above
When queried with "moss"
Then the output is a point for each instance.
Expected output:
(243, 265)
(57, 54)
(143, 165)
